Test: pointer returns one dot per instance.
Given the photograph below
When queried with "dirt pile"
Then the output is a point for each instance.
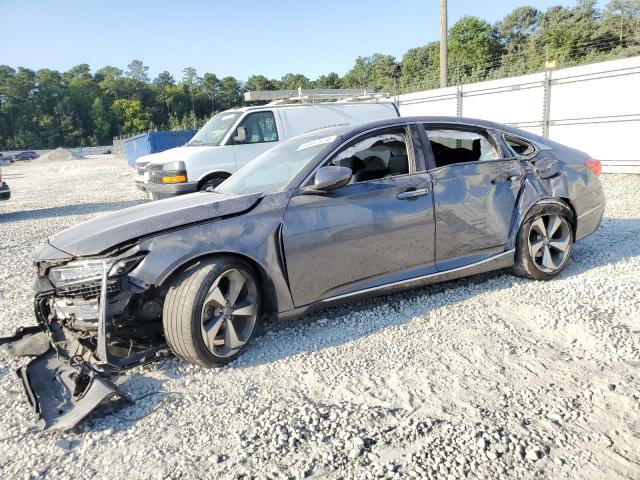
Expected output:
(61, 154)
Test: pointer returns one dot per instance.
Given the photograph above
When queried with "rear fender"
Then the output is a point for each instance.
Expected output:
(544, 184)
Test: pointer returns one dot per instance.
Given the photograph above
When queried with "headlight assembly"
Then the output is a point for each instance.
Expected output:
(91, 270)
(125, 265)
(75, 272)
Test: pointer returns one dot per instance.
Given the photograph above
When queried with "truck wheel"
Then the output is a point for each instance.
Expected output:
(211, 311)
(544, 245)
(211, 184)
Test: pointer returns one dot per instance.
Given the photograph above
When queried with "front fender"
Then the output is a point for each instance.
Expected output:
(253, 235)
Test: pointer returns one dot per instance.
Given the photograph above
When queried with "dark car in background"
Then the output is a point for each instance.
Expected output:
(5, 192)
(28, 155)
(330, 216)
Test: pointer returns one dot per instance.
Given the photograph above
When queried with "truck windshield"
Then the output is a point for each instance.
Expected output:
(215, 129)
(271, 171)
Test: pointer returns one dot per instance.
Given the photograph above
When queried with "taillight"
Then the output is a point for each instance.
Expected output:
(594, 165)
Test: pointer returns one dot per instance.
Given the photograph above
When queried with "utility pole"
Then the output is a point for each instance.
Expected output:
(443, 43)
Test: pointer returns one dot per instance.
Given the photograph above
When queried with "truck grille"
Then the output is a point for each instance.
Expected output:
(88, 291)
(142, 168)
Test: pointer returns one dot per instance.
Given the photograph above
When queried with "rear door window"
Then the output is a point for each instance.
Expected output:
(451, 146)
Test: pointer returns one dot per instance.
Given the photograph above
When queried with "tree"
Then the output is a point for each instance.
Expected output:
(473, 45)
(518, 26)
(385, 72)
(137, 71)
(258, 83)
(164, 79)
(101, 120)
(570, 33)
(230, 93)
(623, 16)
(293, 81)
(360, 74)
(332, 80)
(420, 66)
(211, 86)
(131, 116)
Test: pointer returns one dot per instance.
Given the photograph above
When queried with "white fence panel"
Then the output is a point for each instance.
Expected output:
(595, 108)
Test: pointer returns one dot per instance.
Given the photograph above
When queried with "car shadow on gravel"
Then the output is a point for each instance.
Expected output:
(614, 241)
(119, 415)
(337, 326)
(66, 210)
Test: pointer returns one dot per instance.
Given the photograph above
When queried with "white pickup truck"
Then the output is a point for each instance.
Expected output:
(235, 137)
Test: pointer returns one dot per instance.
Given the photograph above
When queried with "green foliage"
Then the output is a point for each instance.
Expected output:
(331, 80)
(47, 109)
(473, 45)
(131, 116)
(293, 81)
(420, 65)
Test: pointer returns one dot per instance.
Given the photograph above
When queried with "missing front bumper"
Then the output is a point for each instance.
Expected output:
(70, 373)
(62, 392)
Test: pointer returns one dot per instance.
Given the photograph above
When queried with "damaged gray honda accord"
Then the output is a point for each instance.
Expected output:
(330, 216)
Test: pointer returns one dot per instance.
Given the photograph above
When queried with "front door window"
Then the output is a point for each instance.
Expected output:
(260, 127)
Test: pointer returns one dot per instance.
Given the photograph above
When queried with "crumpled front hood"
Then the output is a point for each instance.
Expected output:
(105, 232)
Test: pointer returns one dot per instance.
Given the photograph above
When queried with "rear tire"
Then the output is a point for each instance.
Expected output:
(544, 243)
(211, 311)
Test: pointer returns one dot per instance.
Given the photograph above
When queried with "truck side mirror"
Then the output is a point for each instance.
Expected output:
(241, 135)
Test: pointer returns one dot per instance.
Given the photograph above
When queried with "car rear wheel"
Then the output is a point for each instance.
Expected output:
(544, 245)
(211, 311)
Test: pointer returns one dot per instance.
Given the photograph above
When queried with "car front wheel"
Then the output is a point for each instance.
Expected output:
(211, 311)
(544, 245)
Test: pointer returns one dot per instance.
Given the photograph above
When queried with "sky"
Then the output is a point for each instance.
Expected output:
(226, 38)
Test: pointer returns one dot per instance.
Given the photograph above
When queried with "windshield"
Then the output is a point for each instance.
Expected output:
(215, 129)
(272, 170)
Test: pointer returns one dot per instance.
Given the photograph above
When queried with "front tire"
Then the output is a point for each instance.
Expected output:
(211, 184)
(211, 311)
(544, 245)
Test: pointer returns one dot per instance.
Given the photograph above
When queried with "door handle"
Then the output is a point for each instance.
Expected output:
(421, 192)
(504, 178)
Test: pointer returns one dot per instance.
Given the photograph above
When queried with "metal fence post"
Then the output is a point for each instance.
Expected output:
(546, 100)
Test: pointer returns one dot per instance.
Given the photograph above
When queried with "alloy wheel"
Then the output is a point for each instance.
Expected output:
(550, 242)
(229, 312)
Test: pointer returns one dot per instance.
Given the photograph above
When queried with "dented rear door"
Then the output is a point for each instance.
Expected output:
(474, 206)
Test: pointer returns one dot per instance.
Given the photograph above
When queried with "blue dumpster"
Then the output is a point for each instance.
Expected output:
(154, 142)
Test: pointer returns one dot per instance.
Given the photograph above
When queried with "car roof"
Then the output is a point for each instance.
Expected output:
(299, 105)
(459, 121)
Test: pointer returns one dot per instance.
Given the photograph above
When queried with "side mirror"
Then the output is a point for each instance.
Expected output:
(241, 135)
(328, 178)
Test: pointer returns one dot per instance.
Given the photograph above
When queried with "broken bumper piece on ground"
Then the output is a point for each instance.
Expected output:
(62, 390)
(70, 374)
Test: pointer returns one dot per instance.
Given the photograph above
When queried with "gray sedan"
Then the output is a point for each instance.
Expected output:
(331, 216)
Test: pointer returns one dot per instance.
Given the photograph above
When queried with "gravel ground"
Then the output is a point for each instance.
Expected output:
(488, 377)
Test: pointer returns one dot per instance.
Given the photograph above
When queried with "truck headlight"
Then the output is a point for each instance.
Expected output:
(174, 172)
(91, 270)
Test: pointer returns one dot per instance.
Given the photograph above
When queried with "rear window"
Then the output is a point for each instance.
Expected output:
(520, 147)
